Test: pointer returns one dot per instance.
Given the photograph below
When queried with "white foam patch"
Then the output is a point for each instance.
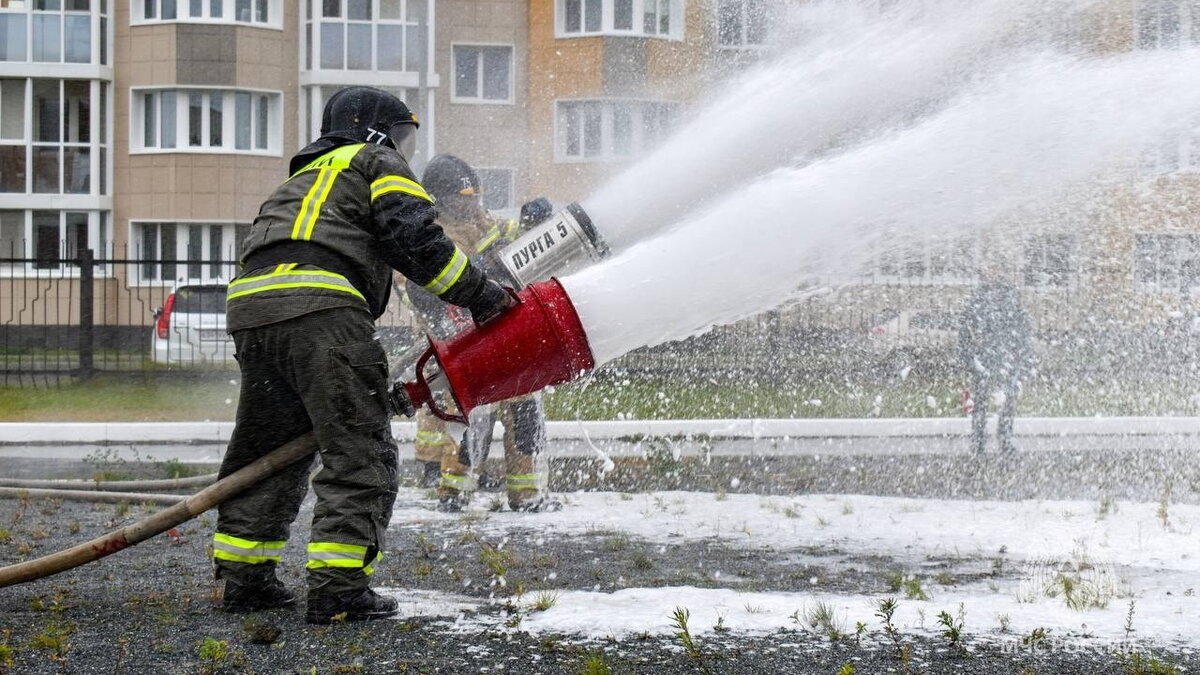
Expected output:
(1173, 619)
(1123, 552)
(419, 602)
(1028, 530)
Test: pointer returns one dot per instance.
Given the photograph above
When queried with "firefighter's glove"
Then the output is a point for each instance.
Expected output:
(401, 403)
(493, 301)
(535, 211)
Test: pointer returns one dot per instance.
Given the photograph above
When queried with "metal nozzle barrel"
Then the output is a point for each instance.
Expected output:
(559, 245)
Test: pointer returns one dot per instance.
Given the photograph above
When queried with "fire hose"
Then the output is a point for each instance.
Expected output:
(182, 511)
(150, 485)
(90, 495)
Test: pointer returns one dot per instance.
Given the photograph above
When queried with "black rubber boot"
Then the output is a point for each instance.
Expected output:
(432, 474)
(453, 503)
(490, 483)
(255, 590)
(364, 605)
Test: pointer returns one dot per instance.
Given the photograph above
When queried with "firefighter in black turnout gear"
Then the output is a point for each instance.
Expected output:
(316, 273)
(456, 189)
(994, 345)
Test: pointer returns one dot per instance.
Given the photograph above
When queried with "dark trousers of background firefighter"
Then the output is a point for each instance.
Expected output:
(982, 390)
(323, 372)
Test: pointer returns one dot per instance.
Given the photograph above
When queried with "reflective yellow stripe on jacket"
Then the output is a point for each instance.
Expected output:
(338, 158)
(236, 549)
(333, 554)
(310, 208)
(449, 275)
(383, 186)
(328, 166)
(509, 231)
(284, 276)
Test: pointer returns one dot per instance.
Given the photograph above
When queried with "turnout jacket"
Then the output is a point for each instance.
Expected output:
(479, 235)
(994, 333)
(330, 236)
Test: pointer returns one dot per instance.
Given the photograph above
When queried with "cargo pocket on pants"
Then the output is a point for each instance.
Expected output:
(361, 384)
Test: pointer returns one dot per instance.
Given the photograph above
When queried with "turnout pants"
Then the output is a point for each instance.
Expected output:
(525, 464)
(982, 390)
(322, 372)
(433, 441)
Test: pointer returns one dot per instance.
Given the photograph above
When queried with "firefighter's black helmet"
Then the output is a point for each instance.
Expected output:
(448, 178)
(372, 110)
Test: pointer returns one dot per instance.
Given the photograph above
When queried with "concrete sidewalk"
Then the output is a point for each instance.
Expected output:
(205, 441)
(107, 433)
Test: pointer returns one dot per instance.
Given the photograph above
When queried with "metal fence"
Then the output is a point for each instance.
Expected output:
(68, 318)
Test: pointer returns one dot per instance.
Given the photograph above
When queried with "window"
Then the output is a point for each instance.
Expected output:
(1051, 260)
(58, 31)
(13, 46)
(12, 237)
(51, 237)
(656, 17)
(261, 12)
(193, 252)
(607, 130)
(741, 23)
(483, 74)
(365, 35)
(207, 120)
(1166, 262)
(58, 153)
(497, 186)
(1176, 152)
(58, 235)
(13, 147)
(661, 18)
(1168, 24)
(936, 260)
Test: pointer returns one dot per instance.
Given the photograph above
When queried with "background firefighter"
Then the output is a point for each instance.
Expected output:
(994, 345)
(316, 273)
(456, 190)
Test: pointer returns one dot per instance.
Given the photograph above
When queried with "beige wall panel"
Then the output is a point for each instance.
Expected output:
(1110, 27)
(193, 186)
(677, 69)
(485, 135)
(558, 69)
(574, 68)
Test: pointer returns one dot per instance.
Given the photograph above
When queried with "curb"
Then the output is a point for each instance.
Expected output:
(110, 433)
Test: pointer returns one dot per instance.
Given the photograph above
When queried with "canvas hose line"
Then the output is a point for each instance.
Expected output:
(148, 485)
(186, 508)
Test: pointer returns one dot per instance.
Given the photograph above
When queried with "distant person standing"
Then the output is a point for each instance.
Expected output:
(994, 344)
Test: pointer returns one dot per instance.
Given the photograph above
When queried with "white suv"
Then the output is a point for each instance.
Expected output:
(189, 329)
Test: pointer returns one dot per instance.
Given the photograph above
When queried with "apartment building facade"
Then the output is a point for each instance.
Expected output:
(128, 116)
(151, 130)
(611, 78)
(56, 132)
